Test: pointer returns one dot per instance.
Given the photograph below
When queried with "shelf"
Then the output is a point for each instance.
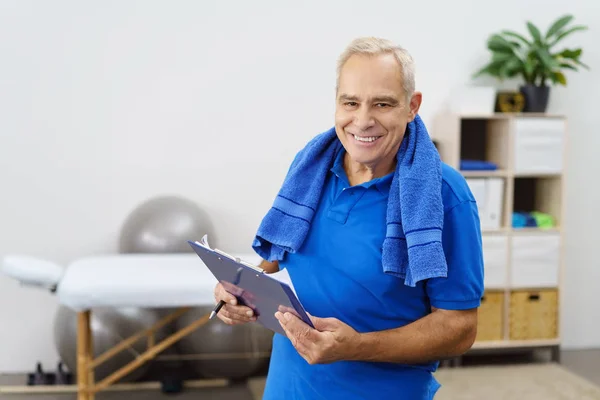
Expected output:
(503, 344)
(504, 173)
(537, 175)
(540, 194)
(535, 231)
(499, 231)
(485, 174)
(500, 115)
(523, 266)
(505, 288)
(521, 231)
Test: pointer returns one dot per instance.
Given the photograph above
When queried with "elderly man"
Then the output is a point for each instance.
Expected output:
(381, 240)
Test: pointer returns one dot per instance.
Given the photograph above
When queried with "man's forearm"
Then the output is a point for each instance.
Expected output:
(441, 334)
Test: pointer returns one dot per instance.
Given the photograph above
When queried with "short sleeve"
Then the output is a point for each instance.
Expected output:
(461, 239)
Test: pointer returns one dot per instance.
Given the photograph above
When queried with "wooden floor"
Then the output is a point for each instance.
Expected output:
(585, 363)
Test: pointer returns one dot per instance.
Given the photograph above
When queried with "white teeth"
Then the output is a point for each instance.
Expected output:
(365, 139)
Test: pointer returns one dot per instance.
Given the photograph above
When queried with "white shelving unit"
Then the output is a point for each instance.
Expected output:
(523, 265)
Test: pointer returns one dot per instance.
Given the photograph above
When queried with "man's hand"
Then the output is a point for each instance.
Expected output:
(232, 313)
(331, 339)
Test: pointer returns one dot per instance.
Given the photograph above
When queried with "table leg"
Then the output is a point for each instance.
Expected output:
(83, 352)
(90, 358)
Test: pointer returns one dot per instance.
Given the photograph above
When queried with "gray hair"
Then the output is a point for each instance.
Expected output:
(374, 46)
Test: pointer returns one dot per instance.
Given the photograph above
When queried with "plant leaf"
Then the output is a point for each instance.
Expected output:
(568, 66)
(501, 56)
(582, 64)
(572, 54)
(566, 33)
(535, 32)
(559, 77)
(547, 60)
(517, 36)
(511, 68)
(529, 68)
(558, 25)
(493, 69)
(498, 43)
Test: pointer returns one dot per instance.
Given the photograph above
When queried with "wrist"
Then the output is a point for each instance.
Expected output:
(359, 350)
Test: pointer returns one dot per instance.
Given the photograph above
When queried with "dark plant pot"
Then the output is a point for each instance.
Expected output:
(536, 97)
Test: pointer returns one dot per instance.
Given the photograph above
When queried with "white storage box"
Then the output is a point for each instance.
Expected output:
(489, 195)
(535, 260)
(538, 145)
(495, 260)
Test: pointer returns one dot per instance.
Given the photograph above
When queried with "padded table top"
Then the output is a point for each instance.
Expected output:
(139, 280)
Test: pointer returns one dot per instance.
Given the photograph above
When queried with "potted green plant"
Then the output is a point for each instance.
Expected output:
(535, 59)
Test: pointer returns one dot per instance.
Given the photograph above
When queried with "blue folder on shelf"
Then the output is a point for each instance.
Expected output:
(262, 292)
(477, 165)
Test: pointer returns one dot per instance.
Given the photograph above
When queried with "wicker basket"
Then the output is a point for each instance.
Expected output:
(533, 314)
(490, 317)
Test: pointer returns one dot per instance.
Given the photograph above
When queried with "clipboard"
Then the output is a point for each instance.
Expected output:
(253, 287)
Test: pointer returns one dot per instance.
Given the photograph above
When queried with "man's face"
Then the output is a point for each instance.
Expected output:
(372, 110)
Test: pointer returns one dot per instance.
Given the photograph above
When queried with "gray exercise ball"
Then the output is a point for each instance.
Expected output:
(218, 350)
(163, 225)
(109, 327)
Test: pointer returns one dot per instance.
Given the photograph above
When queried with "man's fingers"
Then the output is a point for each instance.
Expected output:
(241, 313)
(295, 326)
(231, 312)
(324, 324)
(283, 309)
(224, 295)
(229, 321)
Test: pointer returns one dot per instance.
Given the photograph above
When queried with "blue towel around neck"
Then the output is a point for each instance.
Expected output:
(412, 248)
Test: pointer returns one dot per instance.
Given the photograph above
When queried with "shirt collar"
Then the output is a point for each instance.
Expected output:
(382, 184)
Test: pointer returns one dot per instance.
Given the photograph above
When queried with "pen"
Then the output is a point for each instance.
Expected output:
(217, 308)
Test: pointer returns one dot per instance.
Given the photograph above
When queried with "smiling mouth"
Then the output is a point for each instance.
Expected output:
(366, 139)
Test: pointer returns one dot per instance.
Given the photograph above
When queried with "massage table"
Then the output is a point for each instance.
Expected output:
(177, 282)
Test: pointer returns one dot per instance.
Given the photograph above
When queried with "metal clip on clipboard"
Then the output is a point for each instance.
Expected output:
(204, 242)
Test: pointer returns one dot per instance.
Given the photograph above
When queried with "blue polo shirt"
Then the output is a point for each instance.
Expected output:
(338, 273)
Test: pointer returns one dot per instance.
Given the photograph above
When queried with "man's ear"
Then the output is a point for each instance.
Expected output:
(415, 105)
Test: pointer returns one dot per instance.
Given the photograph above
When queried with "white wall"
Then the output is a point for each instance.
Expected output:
(106, 104)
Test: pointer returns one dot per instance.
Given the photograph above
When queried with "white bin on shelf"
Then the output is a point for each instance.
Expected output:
(538, 145)
(495, 260)
(535, 260)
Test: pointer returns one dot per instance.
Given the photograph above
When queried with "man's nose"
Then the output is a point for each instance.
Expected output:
(363, 118)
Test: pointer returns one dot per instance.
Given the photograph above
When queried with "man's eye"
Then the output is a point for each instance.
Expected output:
(382, 105)
(351, 103)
